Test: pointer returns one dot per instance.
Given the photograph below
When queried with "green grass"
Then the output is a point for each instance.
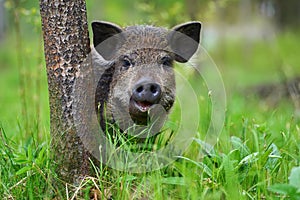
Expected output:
(253, 158)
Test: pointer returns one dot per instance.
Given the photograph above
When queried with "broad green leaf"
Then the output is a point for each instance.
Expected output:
(20, 158)
(294, 177)
(206, 148)
(30, 154)
(173, 181)
(41, 155)
(273, 157)
(23, 170)
(284, 189)
(231, 178)
(199, 164)
(238, 144)
(127, 178)
(265, 156)
(249, 159)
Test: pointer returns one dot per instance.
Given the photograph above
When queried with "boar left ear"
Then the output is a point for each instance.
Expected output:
(107, 38)
(184, 40)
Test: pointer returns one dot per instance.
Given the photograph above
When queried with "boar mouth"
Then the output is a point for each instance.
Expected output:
(139, 111)
(139, 107)
(143, 106)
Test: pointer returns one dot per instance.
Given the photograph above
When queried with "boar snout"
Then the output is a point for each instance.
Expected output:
(145, 94)
(149, 92)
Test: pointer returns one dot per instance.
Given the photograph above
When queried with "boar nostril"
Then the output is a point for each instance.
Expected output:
(153, 89)
(140, 89)
(149, 92)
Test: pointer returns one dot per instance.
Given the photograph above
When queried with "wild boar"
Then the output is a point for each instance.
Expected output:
(139, 70)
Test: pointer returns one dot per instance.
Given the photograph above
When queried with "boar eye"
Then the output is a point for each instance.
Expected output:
(166, 61)
(126, 63)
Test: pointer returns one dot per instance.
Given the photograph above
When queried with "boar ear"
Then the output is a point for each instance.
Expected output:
(107, 38)
(184, 40)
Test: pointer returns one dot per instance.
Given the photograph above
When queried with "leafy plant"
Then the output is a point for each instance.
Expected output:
(291, 189)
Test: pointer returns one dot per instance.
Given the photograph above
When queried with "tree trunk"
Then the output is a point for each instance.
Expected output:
(66, 45)
(2, 19)
(287, 13)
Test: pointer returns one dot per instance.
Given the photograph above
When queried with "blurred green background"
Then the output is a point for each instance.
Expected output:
(253, 42)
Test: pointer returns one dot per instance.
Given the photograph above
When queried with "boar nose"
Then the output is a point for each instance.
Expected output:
(146, 91)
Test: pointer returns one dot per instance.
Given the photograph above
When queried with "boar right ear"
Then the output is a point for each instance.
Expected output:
(184, 40)
(107, 38)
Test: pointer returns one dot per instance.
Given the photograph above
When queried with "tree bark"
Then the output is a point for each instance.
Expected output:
(287, 14)
(66, 45)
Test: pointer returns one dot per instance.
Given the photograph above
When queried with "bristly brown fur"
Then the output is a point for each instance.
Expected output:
(147, 50)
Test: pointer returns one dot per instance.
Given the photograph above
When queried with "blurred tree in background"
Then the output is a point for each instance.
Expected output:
(2, 21)
(287, 13)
